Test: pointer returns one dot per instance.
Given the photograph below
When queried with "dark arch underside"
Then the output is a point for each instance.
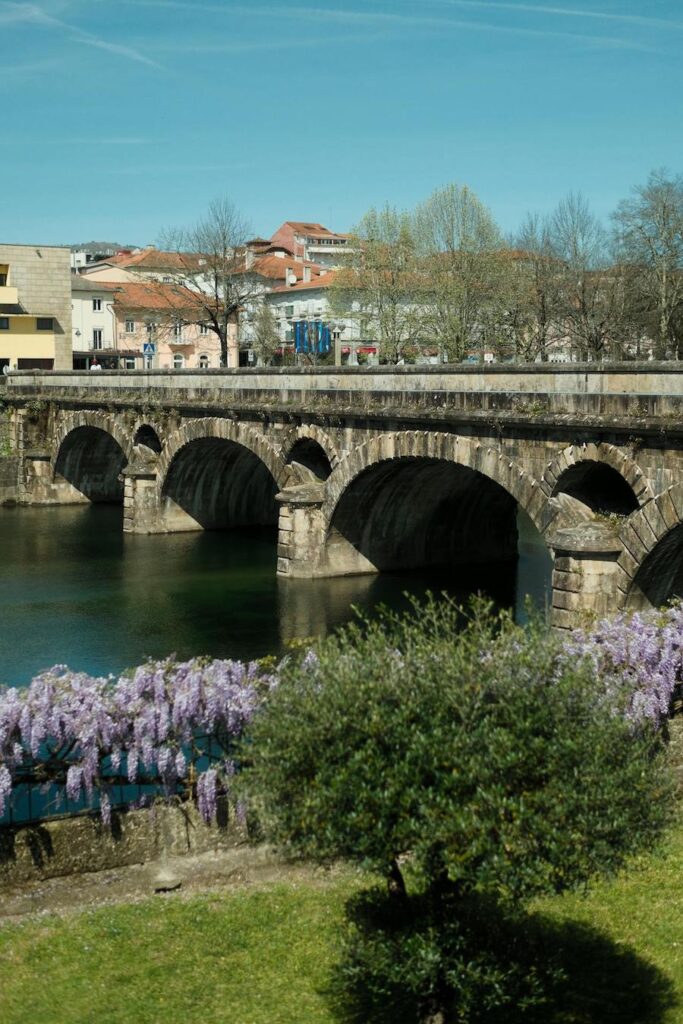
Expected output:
(412, 513)
(91, 461)
(221, 484)
(598, 486)
(148, 436)
(660, 577)
(310, 454)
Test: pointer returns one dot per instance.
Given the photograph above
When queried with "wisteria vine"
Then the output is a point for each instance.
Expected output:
(176, 725)
(638, 658)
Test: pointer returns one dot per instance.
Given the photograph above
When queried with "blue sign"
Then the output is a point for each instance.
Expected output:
(312, 336)
(148, 348)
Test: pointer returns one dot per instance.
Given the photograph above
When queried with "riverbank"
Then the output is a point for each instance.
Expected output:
(256, 946)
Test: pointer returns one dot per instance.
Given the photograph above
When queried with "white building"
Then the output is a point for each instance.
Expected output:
(93, 316)
(311, 241)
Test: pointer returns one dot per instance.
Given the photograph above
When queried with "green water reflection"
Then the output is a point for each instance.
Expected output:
(75, 590)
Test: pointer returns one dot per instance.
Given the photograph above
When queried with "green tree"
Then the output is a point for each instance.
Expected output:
(265, 340)
(379, 285)
(472, 768)
(534, 295)
(649, 239)
(460, 247)
(585, 312)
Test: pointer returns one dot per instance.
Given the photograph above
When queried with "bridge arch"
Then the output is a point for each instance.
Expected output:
(215, 473)
(315, 433)
(651, 564)
(600, 476)
(485, 459)
(415, 498)
(104, 421)
(90, 451)
(147, 434)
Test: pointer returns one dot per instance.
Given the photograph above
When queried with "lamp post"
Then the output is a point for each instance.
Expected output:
(337, 330)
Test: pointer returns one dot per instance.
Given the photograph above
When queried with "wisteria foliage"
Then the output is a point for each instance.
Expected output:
(86, 733)
(638, 658)
(176, 724)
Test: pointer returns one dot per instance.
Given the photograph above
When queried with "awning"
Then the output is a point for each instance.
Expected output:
(108, 353)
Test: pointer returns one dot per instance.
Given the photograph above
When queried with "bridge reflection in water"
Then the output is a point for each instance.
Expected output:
(75, 589)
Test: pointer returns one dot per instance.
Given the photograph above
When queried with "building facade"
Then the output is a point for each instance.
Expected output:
(311, 241)
(35, 307)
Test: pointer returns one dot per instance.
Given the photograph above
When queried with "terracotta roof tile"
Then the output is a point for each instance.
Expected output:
(276, 266)
(150, 295)
(324, 281)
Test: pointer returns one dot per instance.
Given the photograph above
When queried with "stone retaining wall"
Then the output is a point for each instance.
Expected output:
(77, 845)
(10, 467)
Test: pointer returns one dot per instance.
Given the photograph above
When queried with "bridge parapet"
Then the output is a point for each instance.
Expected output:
(536, 392)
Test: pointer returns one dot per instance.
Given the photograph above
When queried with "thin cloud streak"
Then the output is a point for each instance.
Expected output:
(265, 45)
(31, 67)
(32, 14)
(641, 21)
(394, 20)
(115, 48)
(172, 169)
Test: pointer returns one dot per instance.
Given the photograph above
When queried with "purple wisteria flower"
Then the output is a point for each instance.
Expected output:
(152, 726)
(638, 658)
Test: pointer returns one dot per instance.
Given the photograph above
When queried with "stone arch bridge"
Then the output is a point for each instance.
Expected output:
(373, 470)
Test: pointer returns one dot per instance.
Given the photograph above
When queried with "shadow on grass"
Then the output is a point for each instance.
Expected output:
(487, 965)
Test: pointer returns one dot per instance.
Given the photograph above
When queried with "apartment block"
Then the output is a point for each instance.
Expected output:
(35, 307)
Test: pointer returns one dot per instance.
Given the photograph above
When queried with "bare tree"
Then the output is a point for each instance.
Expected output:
(379, 284)
(534, 294)
(581, 244)
(460, 248)
(212, 263)
(265, 340)
(649, 240)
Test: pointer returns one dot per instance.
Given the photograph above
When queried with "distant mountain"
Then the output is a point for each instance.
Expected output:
(101, 247)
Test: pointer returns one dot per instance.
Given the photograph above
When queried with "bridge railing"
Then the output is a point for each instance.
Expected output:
(534, 390)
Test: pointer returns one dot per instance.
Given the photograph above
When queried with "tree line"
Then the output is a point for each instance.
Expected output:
(443, 278)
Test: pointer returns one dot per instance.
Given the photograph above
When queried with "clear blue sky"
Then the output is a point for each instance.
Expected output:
(124, 117)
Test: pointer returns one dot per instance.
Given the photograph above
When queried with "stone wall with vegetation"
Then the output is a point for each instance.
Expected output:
(71, 846)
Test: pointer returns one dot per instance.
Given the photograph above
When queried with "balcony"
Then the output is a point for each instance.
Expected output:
(8, 296)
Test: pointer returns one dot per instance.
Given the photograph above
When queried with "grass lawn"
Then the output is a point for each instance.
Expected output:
(261, 955)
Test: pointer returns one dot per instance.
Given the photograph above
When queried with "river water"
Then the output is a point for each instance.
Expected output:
(76, 590)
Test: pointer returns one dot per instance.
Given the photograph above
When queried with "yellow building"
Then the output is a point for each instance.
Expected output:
(35, 307)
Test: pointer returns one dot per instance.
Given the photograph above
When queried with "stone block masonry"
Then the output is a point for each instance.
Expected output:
(42, 276)
(383, 469)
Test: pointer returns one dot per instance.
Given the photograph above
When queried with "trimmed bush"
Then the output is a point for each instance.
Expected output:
(471, 765)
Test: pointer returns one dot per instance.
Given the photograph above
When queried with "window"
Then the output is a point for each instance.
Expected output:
(35, 364)
(4, 323)
(97, 305)
(44, 323)
(167, 280)
(128, 364)
(178, 329)
(151, 328)
(289, 311)
(97, 337)
(203, 329)
(3, 280)
(178, 361)
(130, 326)
(203, 362)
